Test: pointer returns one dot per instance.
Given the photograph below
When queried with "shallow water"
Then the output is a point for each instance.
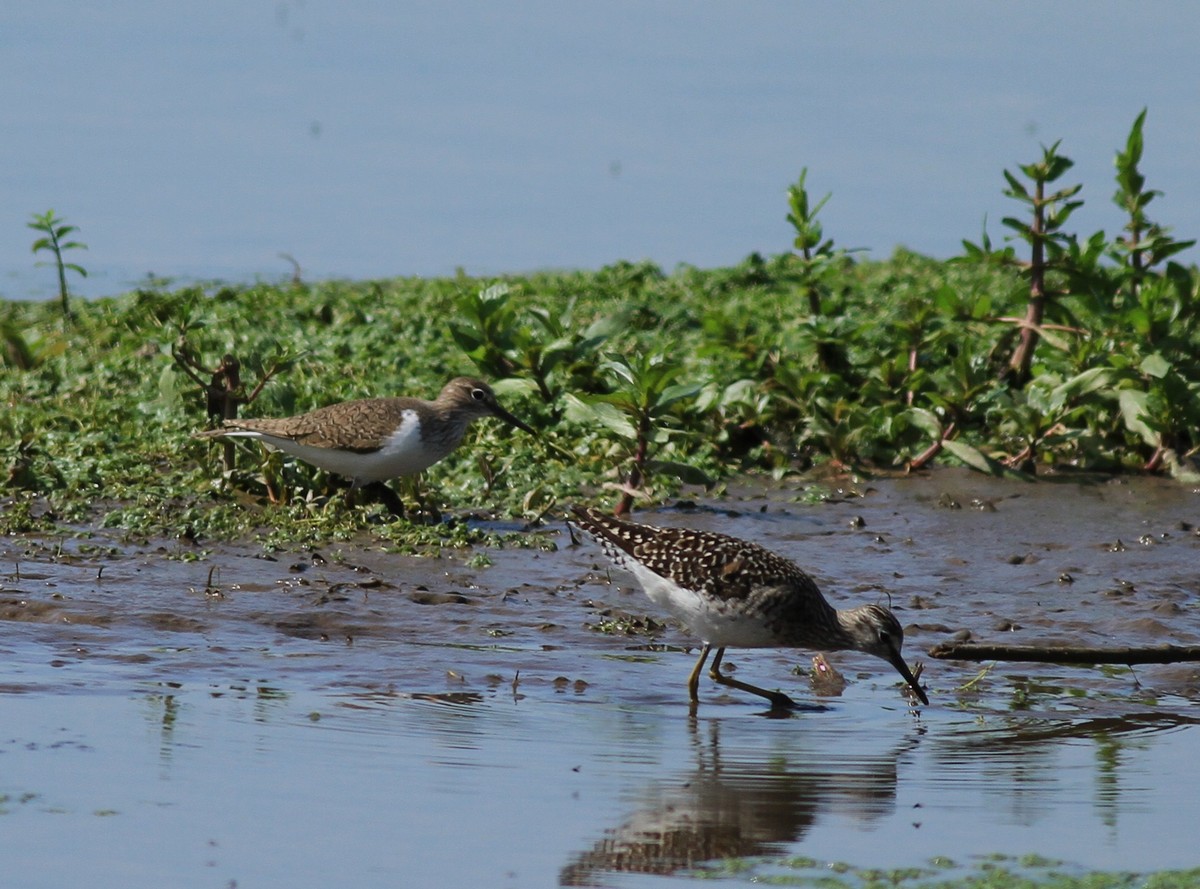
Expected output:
(356, 718)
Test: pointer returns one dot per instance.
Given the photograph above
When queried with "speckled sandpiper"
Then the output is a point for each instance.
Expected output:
(375, 439)
(731, 592)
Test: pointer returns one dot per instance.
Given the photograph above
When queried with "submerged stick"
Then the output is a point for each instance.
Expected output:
(1066, 654)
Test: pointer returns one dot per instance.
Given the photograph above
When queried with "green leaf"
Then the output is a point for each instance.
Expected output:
(683, 471)
(973, 457)
(925, 420)
(1068, 192)
(1057, 165)
(618, 368)
(1053, 339)
(1081, 384)
(1139, 319)
(1170, 249)
(1059, 217)
(1133, 145)
(1154, 365)
(677, 392)
(602, 328)
(599, 412)
(1133, 411)
(1016, 188)
(515, 386)
(495, 293)
(821, 203)
(466, 340)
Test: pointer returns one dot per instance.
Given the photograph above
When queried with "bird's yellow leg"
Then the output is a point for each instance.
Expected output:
(694, 679)
(778, 699)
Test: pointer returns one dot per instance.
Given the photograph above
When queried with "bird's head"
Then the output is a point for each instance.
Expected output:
(875, 630)
(477, 399)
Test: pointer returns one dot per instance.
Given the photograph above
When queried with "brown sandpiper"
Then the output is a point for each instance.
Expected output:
(375, 439)
(732, 592)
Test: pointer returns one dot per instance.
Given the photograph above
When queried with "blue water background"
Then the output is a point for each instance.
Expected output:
(371, 139)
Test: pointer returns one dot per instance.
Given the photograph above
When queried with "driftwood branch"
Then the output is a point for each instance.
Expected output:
(1066, 654)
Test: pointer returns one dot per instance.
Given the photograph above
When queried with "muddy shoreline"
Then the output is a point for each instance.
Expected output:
(535, 689)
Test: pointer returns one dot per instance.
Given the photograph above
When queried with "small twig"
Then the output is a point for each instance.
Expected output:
(188, 362)
(266, 378)
(1015, 461)
(919, 461)
(1154, 464)
(287, 257)
(1024, 323)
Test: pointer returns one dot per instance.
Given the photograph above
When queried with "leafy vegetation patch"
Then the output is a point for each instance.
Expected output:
(1054, 350)
(992, 872)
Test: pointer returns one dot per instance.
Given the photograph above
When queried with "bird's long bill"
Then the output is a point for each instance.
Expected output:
(897, 661)
(510, 419)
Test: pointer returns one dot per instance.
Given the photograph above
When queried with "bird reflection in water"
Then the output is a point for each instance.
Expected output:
(736, 809)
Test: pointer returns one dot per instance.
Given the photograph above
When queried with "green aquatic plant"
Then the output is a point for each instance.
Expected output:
(1030, 871)
(1119, 386)
(818, 259)
(506, 338)
(1043, 231)
(646, 410)
(1145, 243)
(55, 231)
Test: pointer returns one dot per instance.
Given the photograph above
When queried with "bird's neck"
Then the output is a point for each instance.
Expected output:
(845, 622)
(443, 425)
(823, 628)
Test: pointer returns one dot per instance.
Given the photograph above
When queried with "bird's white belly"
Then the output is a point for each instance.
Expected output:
(711, 620)
(404, 453)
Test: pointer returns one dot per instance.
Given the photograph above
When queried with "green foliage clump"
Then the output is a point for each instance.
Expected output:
(1082, 352)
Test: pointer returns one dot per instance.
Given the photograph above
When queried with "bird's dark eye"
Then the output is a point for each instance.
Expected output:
(478, 394)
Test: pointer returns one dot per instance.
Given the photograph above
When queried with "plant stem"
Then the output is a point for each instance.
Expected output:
(1022, 358)
(637, 473)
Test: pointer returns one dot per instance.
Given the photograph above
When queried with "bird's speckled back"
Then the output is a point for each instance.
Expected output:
(721, 566)
(727, 570)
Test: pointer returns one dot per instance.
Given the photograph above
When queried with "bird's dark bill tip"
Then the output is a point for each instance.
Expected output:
(902, 669)
(915, 686)
(512, 420)
(919, 692)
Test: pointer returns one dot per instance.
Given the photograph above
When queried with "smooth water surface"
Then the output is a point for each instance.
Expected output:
(352, 717)
(370, 139)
